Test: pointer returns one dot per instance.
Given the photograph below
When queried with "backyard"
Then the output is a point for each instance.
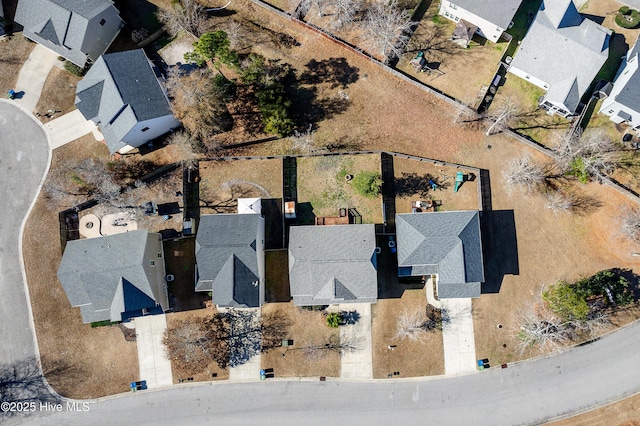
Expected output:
(324, 183)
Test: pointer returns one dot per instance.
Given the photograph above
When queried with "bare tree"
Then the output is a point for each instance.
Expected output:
(333, 343)
(501, 115)
(524, 172)
(592, 155)
(343, 12)
(463, 113)
(185, 145)
(558, 201)
(197, 102)
(414, 324)
(571, 202)
(303, 141)
(630, 223)
(386, 29)
(183, 15)
(320, 6)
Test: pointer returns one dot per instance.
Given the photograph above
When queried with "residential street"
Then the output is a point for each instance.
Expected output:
(25, 158)
(529, 393)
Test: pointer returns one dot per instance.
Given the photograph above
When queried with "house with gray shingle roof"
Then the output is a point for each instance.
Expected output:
(116, 277)
(332, 264)
(623, 103)
(562, 53)
(230, 259)
(445, 244)
(79, 30)
(490, 17)
(122, 95)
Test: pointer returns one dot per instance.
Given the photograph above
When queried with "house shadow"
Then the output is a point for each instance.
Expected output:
(500, 248)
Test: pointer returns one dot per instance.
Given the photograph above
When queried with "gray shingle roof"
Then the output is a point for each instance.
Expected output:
(499, 12)
(63, 26)
(564, 50)
(106, 276)
(227, 258)
(120, 90)
(628, 94)
(332, 264)
(443, 243)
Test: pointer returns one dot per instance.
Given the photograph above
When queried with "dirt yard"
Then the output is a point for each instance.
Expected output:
(450, 62)
(82, 362)
(608, 9)
(223, 182)
(549, 248)
(58, 94)
(622, 413)
(14, 50)
(412, 358)
(412, 183)
(307, 328)
(213, 371)
(322, 182)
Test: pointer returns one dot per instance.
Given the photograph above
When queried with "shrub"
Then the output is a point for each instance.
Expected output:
(630, 18)
(226, 88)
(334, 320)
(367, 184)
(578, 170)
(213, 45)
(624, 10)
(104, 323)
(598, 285)
(566, 302)
(74, 69)
(274, 105)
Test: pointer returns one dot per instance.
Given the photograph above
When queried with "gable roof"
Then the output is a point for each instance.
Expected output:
(62, 23)
(106, 276)
(443, 243)
(626, 85)
(120, 90)
(332, 264)
(227, 258)
(499, 12)
(564, 50)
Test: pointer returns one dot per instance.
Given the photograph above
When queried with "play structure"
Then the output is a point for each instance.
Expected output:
(459, 180)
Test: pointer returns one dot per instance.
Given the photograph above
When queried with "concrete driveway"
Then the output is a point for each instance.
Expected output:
(358, 363)
(458, 337)
(154, 364)
(24, 161)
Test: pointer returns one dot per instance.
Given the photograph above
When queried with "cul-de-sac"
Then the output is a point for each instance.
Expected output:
(320, 211)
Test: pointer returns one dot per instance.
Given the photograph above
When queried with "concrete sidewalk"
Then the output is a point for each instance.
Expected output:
(154, 364)
(69, 127)
(457, 336)
(32, 76)
(357, 364)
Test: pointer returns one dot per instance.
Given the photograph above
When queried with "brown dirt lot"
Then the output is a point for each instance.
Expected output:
(622, 413)
(213, 371)
(411, 358)
(14, 50)
(94, 361)
(412, 183)
(58, 94)
(223, 182)
(321, 182)
(307, 328)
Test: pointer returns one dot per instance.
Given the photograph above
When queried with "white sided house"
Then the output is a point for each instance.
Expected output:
(561, 53)
(623, 103)
(488, 18)
(122, 95)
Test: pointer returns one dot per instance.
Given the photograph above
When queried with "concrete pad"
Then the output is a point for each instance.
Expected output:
(458, 337)
(32, 76)
(68, 127)
(117, 223)
(154, 364)
(89, 226)
(357, 364)
(249, 371)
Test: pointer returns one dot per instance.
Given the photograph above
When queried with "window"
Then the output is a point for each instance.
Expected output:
(453, 6)
(610, 111)
(153, 263)
(159, 255)
(102, 22)
(144, 129)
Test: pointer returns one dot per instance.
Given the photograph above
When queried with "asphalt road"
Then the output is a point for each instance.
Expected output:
(528, 393)
(23, 163)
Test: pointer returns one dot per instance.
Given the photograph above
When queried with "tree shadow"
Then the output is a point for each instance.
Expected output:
(412, 184)
(500, 248)
(336, 71)
(22, 382)
(309, 109)
(349, 317)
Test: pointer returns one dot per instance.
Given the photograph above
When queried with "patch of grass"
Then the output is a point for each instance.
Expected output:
(627, 18)
(438, 20)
